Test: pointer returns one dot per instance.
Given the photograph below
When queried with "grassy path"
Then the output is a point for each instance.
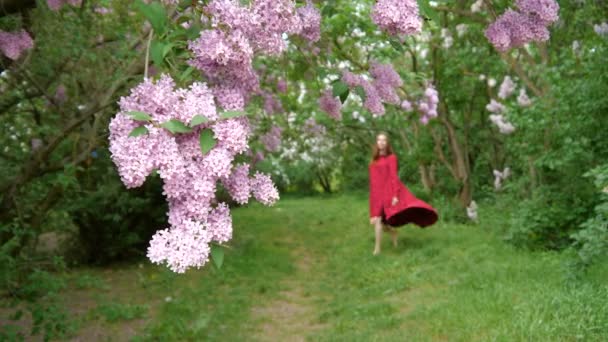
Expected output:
(304, 270)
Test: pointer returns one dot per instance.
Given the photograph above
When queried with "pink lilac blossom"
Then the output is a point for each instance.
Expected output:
(386, 79)
(189, 177)
(13, 44)
(406, 106)
(233, 134)
(272, 105)
(428, 105)
(507, 87)
(351, 79)
(504, 127)
(282, 86)
(263, 189)
(219, 223)
(273, 18)
(181, 247)
(313, 128)
(222, 55)
(514, 29)
(373, 102)
(310, 19)
(229, 98)
(272, 139)
(523, 100)
(601, 29)
(331, 105)
(237, 184)
(397, 16)
(231, 14)
(545, 11)
(55, 5)
(495, 107)
(374, 93)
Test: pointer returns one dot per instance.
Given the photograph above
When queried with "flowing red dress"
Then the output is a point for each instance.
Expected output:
(384, 184)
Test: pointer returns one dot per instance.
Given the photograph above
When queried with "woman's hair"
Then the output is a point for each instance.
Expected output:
(376, 150)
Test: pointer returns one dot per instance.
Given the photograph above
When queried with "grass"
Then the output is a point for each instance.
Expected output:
(304, 270)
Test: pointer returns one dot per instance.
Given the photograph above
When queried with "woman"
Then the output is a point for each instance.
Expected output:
(391, 204)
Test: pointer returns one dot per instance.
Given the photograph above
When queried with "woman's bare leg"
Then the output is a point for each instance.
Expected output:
(378, 229)
(393, 232)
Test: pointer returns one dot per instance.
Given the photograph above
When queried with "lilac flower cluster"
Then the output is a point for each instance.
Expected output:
(272, 105)
(386, 80)
(499, 177)
(495, 107)
(331, 104)
(313, 128)
(507, 87)
(224, 53)
(504, 126)
(13, 44)
(310, 18)
(428, 105)
(397, 16)
(55, 5)
(523, 100)
(601, 29)
(516, 28)
(189, 176)
(382, 89)
(272, 139)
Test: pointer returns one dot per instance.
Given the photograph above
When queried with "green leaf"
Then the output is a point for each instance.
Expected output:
(193, 31)
(339, 88)
(156, 52)
(197, 120)
(186, 73)
(217, 254)
(137, 131)
(207, 141)
(176, 126)
(232, 114)
(397, 45)
(155, 13)
(139, 116)
(428, 11)
(361, 92)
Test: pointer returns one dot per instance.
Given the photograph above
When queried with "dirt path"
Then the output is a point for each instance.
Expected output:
(293, 314)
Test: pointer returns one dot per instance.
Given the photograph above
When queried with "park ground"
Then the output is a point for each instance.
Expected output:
(303, 270)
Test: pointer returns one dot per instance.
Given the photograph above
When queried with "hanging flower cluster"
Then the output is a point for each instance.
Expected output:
(428, 105)
(225, 56)
(180, 134)
(397, 16)
(13, 44)
(516, 28)
(499, 177)
(330, 104)
(55, 5)
(382, 89)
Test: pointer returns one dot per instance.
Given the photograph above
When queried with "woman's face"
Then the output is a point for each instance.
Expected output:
(381, 142)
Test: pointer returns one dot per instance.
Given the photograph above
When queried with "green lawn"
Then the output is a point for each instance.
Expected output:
(304, 270)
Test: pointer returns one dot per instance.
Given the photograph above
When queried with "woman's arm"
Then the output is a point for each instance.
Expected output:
(393, 182)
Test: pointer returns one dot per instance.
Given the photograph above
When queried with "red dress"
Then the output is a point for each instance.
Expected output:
(384, 184)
